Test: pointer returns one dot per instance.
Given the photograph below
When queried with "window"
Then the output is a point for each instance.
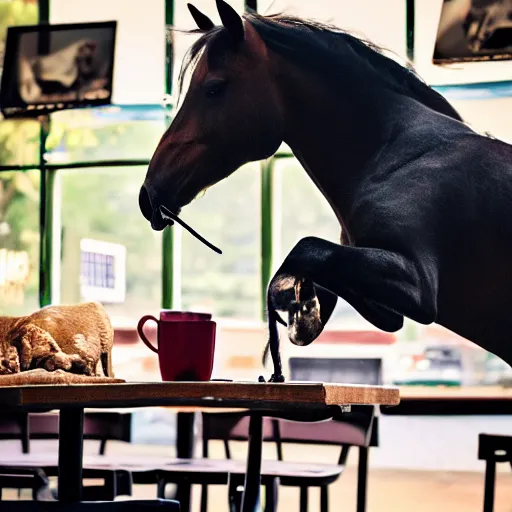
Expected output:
(19, 242)
(19, 192)
(228, 215)
(102, 271)
(109, 252)
(303, 211)
(107, 133)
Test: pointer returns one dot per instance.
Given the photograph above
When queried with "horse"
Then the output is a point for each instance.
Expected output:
(424, 201)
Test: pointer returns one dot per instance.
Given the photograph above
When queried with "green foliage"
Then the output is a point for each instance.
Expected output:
(19, 191)
(19, 220)
(229, 216)
(102, 204)
(17, 12)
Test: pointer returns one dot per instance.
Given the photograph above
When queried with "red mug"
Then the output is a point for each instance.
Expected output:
(186, 344)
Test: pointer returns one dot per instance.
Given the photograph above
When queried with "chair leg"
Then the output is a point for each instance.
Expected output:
(324, 498)
(490, 476)
(124, 483)
(362, 479)
(103, 446)
(234, 494)
(271, 495)
(25, 432)
(184, 497)
(204, 498)
(41, 489)
(160, 488)
(111, 486)
(303, 499)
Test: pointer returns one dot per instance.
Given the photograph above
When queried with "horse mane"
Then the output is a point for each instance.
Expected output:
(323, 47)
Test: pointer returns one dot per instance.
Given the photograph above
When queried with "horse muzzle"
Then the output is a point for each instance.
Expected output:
(153, 212)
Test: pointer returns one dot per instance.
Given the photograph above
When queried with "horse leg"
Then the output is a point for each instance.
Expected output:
(281, 298)
(303, 295)
(383, 286)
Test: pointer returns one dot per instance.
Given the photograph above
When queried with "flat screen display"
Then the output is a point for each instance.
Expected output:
(55, 67)
(474, 30)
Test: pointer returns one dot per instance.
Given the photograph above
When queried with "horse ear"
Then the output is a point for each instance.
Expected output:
(202, 21)
(231, 21)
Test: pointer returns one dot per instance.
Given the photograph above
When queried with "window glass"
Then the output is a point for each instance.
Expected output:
(19, 191)
(19, 242)
(19, 140)
(109, 251)
(109, 133)
(305, 212)
(227, 285)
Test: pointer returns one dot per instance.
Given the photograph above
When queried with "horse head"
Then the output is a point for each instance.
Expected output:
(231, 115)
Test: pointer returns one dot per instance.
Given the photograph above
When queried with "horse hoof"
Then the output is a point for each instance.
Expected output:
(304, 324)
(277, 378)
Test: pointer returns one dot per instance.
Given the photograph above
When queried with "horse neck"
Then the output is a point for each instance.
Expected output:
(337, 130)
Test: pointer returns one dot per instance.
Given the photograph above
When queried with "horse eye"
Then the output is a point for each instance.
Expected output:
(215, 89)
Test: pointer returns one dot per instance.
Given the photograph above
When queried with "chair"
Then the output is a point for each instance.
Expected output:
(359, 428)
(95, 506)
(102, 426)
(25, 478)
(36, 467)
(493, 449)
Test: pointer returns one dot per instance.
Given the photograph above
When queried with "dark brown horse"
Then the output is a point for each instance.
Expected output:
(424, 202)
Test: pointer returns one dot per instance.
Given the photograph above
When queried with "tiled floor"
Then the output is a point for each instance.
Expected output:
(388, 491)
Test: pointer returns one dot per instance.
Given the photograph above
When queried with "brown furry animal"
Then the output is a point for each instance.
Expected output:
(75, 338)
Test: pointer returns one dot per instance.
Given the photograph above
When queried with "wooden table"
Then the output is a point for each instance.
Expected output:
(302, 401)
(452, 401)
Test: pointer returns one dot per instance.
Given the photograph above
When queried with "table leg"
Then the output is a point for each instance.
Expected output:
(184, 450)
(251, 497)
(362, 478)
(71, 441)
(23, 420)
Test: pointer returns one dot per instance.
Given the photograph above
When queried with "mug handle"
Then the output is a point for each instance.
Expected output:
(140, 326)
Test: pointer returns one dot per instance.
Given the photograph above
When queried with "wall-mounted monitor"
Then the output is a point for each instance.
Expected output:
(55, 67)
(475, 30)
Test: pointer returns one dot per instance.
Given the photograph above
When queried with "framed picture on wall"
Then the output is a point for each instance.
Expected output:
(55, 67)
(474, 30)
(457, 42)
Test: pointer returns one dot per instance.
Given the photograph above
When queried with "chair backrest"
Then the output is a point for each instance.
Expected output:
(230, 426)
(497, 448)
(12, 425)
(100, 426)
(357, 428)
(97, 426)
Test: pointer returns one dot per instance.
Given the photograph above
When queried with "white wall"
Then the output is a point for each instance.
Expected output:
(140, 44)
(490, 115)
(383, 22)
(438, 443)
(427, 17)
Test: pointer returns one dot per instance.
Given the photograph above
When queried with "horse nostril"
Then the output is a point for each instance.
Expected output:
(145, 203)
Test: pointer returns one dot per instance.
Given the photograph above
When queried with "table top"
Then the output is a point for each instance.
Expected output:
(408, 393)
(452, 401)
(257, 396)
